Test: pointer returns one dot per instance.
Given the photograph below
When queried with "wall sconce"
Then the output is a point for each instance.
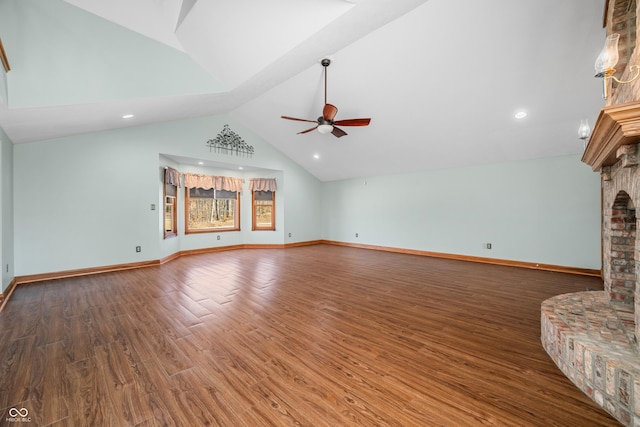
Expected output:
(606, 62)
(584, 131)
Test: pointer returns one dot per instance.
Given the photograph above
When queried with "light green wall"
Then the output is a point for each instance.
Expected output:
(4, 94)
(543, 211)
(85, 201)
(6, 211)
(88, 59)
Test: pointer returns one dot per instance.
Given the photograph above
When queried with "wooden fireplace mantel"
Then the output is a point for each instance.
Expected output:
(617, 125)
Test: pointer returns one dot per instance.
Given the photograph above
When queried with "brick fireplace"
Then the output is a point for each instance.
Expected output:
(593, 336)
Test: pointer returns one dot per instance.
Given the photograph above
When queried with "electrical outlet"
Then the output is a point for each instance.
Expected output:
(7, 268)
(153, 206)
(138, 248)
(289, 234)
(487, 246)
(218, 237)
(356, 234)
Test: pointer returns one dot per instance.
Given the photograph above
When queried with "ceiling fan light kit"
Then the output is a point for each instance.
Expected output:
(325, 123)
(325, 129)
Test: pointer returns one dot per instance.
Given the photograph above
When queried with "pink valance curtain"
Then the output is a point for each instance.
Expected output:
(262, 184)
(207, 182)
(171, 176)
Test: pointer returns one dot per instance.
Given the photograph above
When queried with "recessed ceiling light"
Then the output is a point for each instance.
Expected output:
(127, 116)
(240, 167)
(520, 115)
(316, 156)
(201, 163)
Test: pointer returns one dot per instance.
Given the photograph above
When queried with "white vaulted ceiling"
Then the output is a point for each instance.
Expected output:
(441, 80)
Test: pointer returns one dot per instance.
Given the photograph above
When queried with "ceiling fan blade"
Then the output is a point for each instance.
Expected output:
(300, 120)
(308, 130)
(353, 122)
(329, 112)
(337, 132)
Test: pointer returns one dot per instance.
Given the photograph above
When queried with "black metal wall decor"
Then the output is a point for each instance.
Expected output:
(229, 142)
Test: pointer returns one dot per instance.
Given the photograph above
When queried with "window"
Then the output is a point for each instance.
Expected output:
(263, 203)
(211, 210)
(212, 203)
(170, 222)
(264, 210)
(170, 215)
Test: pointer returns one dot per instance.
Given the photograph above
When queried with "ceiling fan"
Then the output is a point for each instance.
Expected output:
(325, 123)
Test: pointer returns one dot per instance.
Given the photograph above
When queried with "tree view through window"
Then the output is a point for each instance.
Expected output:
(170, 213)
(212, 210)
(264, 214)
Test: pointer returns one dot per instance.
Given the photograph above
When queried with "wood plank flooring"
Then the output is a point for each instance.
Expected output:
(311, 336)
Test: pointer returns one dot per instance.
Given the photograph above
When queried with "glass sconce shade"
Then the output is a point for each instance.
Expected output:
(584, 130)
(608, 57)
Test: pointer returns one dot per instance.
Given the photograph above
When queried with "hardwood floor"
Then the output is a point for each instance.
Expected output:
(310, 336)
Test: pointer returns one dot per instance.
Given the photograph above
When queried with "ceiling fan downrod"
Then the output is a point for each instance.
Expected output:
(325, 63)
